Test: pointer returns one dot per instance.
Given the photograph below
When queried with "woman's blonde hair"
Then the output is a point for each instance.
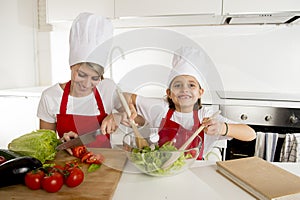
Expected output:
(97, 68)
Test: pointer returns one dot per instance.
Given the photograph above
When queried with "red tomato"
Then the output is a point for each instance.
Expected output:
(33, 179)
(57, 168)
(71, 164)
(79, 151)
(86, 156)
(2, 159)
(95, 159)
(75, 177)
(53, 182)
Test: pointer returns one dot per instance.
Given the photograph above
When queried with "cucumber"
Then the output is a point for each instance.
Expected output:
(13, 171)
(7, 154)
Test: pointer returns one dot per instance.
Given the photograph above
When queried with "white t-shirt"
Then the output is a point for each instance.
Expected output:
(49, 104)
(155, 109)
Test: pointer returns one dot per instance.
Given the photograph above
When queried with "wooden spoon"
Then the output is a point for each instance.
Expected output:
(139, 139)
(174, 157)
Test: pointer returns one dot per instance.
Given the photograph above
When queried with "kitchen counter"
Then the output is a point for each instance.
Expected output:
(202, 181)
(27, 92)
(100, 184)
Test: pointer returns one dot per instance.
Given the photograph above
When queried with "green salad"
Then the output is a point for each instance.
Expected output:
(151, 160)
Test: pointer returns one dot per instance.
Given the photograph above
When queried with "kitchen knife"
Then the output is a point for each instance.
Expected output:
(80, 140)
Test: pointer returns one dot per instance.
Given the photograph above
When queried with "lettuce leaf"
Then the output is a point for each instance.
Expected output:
(151, 160)
(39, 144)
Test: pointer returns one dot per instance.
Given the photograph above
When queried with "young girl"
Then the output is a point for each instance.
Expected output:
(181, 114)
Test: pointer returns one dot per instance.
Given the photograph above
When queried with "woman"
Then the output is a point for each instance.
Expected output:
(80, 105)
(181, 114)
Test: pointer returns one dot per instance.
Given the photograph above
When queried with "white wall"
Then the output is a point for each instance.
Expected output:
(17, 38)
(248, 58)
(252, 58)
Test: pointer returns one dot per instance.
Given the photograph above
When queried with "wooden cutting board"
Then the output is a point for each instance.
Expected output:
(260, 178)
(100, 184)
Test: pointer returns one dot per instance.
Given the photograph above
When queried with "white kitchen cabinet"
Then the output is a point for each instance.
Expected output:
(128, 8)
(17, 116)
(260, 6)
(67, 10)
(143, 13)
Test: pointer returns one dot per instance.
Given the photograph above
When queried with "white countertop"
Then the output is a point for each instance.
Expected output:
(29, 91)
(202, 181)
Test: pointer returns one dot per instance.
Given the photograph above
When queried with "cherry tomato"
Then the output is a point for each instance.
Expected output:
(74, 177)
(53, 181)
(95, 159)
(79, 151)
(86, 156)
(70, 165)
(2, 159)
(33, 179)
(57, 168)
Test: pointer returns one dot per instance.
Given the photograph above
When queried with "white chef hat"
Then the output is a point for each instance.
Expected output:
(189, 61)
(87, 33)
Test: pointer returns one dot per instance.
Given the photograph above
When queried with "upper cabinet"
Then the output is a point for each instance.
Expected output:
(141, 13)
(67, 10)
(260, 11)
(136, 13)
(146, 8)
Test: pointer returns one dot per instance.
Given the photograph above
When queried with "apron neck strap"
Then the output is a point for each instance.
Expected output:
(64, 100)
(195, 116)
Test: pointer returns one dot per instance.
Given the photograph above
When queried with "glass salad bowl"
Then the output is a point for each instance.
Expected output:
(164, 160)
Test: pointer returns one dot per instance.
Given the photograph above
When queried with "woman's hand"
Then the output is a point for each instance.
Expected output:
(67, 137)
(112, 122)
(213, 126)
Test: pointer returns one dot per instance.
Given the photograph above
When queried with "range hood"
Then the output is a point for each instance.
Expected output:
(263, 18)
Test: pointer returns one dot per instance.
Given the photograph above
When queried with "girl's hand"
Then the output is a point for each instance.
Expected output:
(67, 137)
(213, 126)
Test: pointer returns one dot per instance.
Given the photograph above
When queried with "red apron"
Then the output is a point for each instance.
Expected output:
(170, 130)
(81, 124)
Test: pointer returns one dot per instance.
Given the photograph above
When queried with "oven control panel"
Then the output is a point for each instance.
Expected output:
(265, 116)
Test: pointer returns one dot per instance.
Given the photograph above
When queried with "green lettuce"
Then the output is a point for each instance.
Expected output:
(40, 144)
(151, 160)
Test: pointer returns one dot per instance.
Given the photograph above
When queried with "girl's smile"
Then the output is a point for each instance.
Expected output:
(184, 92)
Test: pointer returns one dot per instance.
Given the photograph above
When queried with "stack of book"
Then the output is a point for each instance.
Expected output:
(260, 178)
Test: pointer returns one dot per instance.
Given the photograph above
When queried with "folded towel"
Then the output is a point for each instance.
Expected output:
(290, 151)
(265, 145)
(260, 145)
(286, 150)
(270, 144)
(297, 146)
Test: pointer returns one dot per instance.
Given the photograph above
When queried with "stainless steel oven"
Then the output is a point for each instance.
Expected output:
(277, 120)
